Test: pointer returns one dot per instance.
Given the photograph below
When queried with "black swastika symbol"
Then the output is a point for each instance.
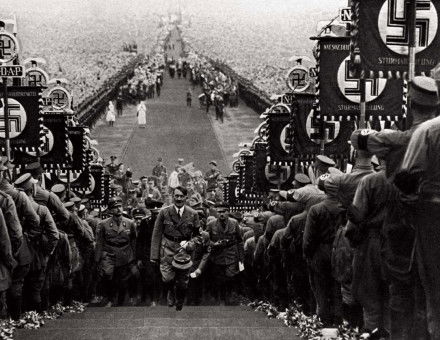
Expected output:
(6, 48)
(356, 90)
(316, 133)
(59, 98)
(36, 79)
(298, 78)
(14, 119)
(401, 22)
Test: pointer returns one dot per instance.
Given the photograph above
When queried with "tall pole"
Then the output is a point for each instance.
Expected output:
(363, 103)
(6, 118)
(411, 53)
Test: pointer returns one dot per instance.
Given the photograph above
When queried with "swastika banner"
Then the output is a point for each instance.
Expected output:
(25, 125)
(307, 132)
(55, 150)
(381, 34)
(77, 149)
(339, 92)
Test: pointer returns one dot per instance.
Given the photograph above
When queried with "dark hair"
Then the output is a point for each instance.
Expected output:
(183, 190)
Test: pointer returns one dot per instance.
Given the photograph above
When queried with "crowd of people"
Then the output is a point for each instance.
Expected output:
(50, 32)
(146, 82)
(255, 45)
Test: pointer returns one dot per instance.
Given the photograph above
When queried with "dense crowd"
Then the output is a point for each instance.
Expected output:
(257, 46)
(87, 50)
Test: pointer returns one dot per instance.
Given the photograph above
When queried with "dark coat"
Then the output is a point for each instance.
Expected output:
(29, 220)
(169, 223)
(116, 241)
(7, 262)
(232, 250)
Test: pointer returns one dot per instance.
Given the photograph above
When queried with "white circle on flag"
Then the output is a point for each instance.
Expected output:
(17, 118)
(283, 138)
(393, 28)
(350, 87)
(47, 144)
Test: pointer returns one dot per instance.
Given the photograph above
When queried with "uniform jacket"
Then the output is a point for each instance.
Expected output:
(169, 223)
(232, 251)
(29, 220)
(7, 262)
(323, 220)
(143, 241)
(201, 252)
(117, 241)
(48, 228)
(53, 202)
(13, 224)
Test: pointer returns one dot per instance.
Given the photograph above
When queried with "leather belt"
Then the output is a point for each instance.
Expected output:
(176, 239)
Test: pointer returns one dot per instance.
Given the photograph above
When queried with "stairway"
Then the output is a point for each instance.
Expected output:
(192, 323)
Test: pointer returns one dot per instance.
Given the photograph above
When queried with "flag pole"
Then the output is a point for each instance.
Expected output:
(411, 52)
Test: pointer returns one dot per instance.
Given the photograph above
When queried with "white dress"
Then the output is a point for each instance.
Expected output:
(142, 114)
(111, 116)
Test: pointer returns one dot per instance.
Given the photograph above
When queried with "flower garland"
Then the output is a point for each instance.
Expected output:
(309, 327)
(34, 320)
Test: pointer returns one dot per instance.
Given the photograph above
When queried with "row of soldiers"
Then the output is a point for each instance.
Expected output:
(361, 245)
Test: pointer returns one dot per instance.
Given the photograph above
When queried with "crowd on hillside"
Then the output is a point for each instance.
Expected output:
(256, 48)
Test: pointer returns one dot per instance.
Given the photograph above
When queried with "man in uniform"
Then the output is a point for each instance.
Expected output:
(323, 220)
(42, 247)
(419, 181)
(212, 177)
(112, 167)
(115, 249)
(160, 171)
(30, 224)
(176, 229)
(148, 283)
(227, 254)
(320, 167)
(398, 229)
(45, 197)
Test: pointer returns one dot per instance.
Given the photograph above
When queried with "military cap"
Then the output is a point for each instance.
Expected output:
(193, 203)
(275, 191)
(324, 160)
(213, 163)
(424, 91)
(334, 171)
(139, 213)
(58, 188)
(182, 261)
(143, 177)
(302, 178)
(69, 205)
(84, 200)
(75, 199)
(114, 202)
(135, 182)
(153, 204)
(24, 182)
(180, 160)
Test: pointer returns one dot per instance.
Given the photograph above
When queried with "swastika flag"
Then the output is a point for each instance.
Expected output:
(381, 34)
(339, 91)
